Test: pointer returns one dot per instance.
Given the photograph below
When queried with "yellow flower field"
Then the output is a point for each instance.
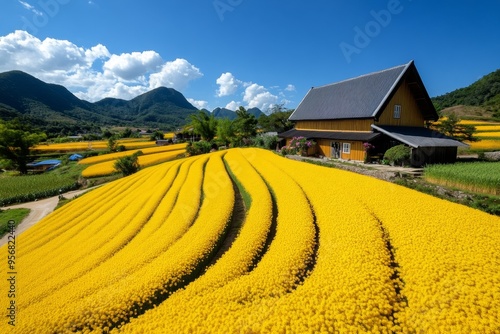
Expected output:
(485, 144)
(107, 167)
(116, 155)
(488, 134)
(129, 143)
(492, 128)
(477, 123)
(245, 241)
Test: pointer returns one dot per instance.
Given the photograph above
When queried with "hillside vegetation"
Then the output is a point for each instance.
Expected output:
(54, 109)
(480, 100)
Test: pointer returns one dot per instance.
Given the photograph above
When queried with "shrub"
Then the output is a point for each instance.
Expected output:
(112, 143)
(259, 141)
(128, 165)
(398, 155)
(284, 151)
(156, 135)
(301, 144)
(270, 142)
(199, 147)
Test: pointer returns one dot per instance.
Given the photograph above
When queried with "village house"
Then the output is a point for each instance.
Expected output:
(43, 166)
(363, 117)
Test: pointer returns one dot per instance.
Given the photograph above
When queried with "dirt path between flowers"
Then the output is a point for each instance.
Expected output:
(38, 210)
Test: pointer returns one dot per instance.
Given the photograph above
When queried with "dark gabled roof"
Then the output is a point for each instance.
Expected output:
(334, 135)
(417, 136)
(363, 97)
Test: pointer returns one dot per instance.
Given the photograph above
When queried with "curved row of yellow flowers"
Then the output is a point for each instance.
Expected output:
(97, 241)
(279, 271)
(485, 144)
(86, 302)
(320, 250)
(349, 289)
(145, 151)
(129, 143)
(492, 128)
(488, 134)
(108, 167)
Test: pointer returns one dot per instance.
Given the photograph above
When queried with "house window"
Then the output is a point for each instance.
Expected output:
(397, 111)
(346, 148)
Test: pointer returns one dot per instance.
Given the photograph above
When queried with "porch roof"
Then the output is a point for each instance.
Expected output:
(417, 136)
(333, 135)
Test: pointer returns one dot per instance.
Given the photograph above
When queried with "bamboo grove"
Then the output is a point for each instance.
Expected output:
(245, 241)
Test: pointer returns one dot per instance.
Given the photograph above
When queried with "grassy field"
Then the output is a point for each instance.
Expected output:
(17, 215)
(478, 177)
(25, 188)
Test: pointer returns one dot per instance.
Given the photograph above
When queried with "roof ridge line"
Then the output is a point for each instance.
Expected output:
(395, 83)
(364, 75)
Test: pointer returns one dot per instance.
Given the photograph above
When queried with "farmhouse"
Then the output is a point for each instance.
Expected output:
(362, 117)
(42, 166)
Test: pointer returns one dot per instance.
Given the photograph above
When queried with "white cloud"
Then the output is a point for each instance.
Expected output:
(96, 52)
(175, 74)
(228, 84)
(290, 88)
(20, 50)
(258, 96)
(198, 103)
(130, 66)
(233, 105)
(77, 68)
(31, 8)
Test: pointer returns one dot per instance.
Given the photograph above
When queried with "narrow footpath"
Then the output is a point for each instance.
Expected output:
(38, 210)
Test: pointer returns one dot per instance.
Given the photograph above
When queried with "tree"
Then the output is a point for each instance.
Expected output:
(157, 135)
(204, 125)
(277, 120)
(225, 131)
(245, 124)
(127, 133)
(17, 142)
(112, 144)
(128, 165)
(451, 127)
(107, 134)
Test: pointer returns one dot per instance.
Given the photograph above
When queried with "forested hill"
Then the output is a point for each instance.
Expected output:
(480, 99)
(55, 110)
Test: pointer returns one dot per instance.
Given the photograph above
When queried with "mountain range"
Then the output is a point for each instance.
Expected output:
(226, 113)
(53, 107)
(55, 110)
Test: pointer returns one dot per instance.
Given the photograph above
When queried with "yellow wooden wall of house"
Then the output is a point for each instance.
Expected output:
(410, 113)
(357, 151)
(323, 147)
(336, 125)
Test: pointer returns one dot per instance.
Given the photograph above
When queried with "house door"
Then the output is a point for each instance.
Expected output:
(335, 150)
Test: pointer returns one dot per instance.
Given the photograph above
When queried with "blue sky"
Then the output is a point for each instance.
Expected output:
(255, 53)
